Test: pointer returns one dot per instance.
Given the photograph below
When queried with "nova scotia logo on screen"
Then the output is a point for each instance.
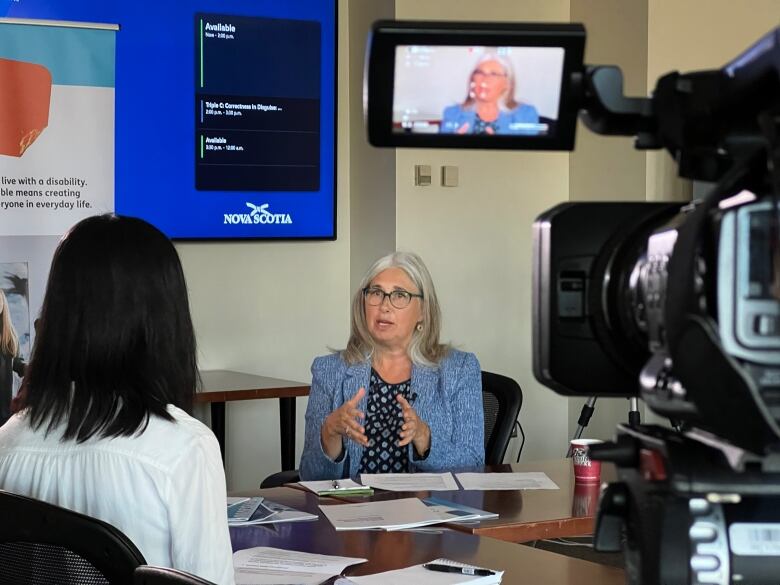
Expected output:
(259, 214)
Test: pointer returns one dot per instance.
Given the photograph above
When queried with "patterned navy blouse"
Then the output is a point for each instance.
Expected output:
(481, 126)
(384, 419)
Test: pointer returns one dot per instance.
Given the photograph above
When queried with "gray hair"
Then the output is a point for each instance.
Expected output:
(424, 349)
(507, 102)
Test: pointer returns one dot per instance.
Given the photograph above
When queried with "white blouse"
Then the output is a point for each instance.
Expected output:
(164, 489)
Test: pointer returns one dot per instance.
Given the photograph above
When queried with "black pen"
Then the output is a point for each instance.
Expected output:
(456, 569)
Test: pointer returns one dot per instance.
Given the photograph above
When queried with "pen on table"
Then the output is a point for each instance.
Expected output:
(460, 570)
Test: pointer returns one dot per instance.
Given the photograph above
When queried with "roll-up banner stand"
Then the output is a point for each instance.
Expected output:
(56, 162)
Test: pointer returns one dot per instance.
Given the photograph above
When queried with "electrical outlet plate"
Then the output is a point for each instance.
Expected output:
(449, 176)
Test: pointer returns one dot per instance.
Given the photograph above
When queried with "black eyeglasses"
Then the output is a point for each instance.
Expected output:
(488, 74)
(400, 299)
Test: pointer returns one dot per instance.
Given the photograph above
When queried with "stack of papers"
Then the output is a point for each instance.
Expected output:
(534, 480)
(431, 482)
(419, 574)
(284, 513)
(401, 514)
(337, 487)
(257, 510)
(264, 565)
(245, 511)
(410, 482)
(454, 512)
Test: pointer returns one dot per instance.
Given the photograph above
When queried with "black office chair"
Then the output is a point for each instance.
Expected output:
(280, 478)
(149, 575)
(502, 398)
(41, 544)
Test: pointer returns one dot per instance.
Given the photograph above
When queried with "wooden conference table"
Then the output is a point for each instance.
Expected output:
(525, 515)
(220, 386)
(394, 550)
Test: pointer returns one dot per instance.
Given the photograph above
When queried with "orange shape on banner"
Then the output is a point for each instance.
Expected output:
(25, 95)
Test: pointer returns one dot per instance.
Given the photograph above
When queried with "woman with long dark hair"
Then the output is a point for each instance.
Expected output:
(104, 429)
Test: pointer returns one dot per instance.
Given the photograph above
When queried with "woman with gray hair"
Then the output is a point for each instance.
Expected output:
(395, 400)
(490, 106)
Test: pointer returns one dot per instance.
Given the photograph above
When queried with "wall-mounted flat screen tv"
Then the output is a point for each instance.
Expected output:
(225, 113)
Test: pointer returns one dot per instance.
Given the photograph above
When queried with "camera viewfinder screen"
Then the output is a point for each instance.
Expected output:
(477, 90)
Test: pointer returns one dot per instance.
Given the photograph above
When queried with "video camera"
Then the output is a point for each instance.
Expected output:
(678, 305)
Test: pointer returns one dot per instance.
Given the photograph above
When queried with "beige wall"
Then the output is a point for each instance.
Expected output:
(608, 167)
(686, 35)
(271, 307)
(371, 170)
(476, 238)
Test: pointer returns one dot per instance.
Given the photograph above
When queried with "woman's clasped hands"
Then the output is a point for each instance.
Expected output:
(346, 421)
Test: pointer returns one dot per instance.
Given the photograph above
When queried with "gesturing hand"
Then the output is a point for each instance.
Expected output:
(344, 422)
(414, 429)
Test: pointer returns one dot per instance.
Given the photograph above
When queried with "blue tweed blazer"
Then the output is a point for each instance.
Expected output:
(511, 122)
(449, 400)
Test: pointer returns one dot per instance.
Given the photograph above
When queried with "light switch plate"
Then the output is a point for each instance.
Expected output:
(422, 175)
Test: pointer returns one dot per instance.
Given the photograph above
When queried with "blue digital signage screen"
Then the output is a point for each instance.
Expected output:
(225, 113)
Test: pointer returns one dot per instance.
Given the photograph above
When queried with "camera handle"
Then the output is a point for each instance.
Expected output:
(589, 408)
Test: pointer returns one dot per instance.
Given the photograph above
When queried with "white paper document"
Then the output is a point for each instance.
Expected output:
(532, 480)
(410, 482)
(265, 565)
(419, 574)
(387, 515)
(333, 487)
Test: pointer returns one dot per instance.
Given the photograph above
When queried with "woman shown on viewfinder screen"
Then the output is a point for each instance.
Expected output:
(490, 106)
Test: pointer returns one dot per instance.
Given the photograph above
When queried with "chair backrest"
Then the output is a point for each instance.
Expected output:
(280, 478)
(502, 398)
(148, 575)
(41, 544)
